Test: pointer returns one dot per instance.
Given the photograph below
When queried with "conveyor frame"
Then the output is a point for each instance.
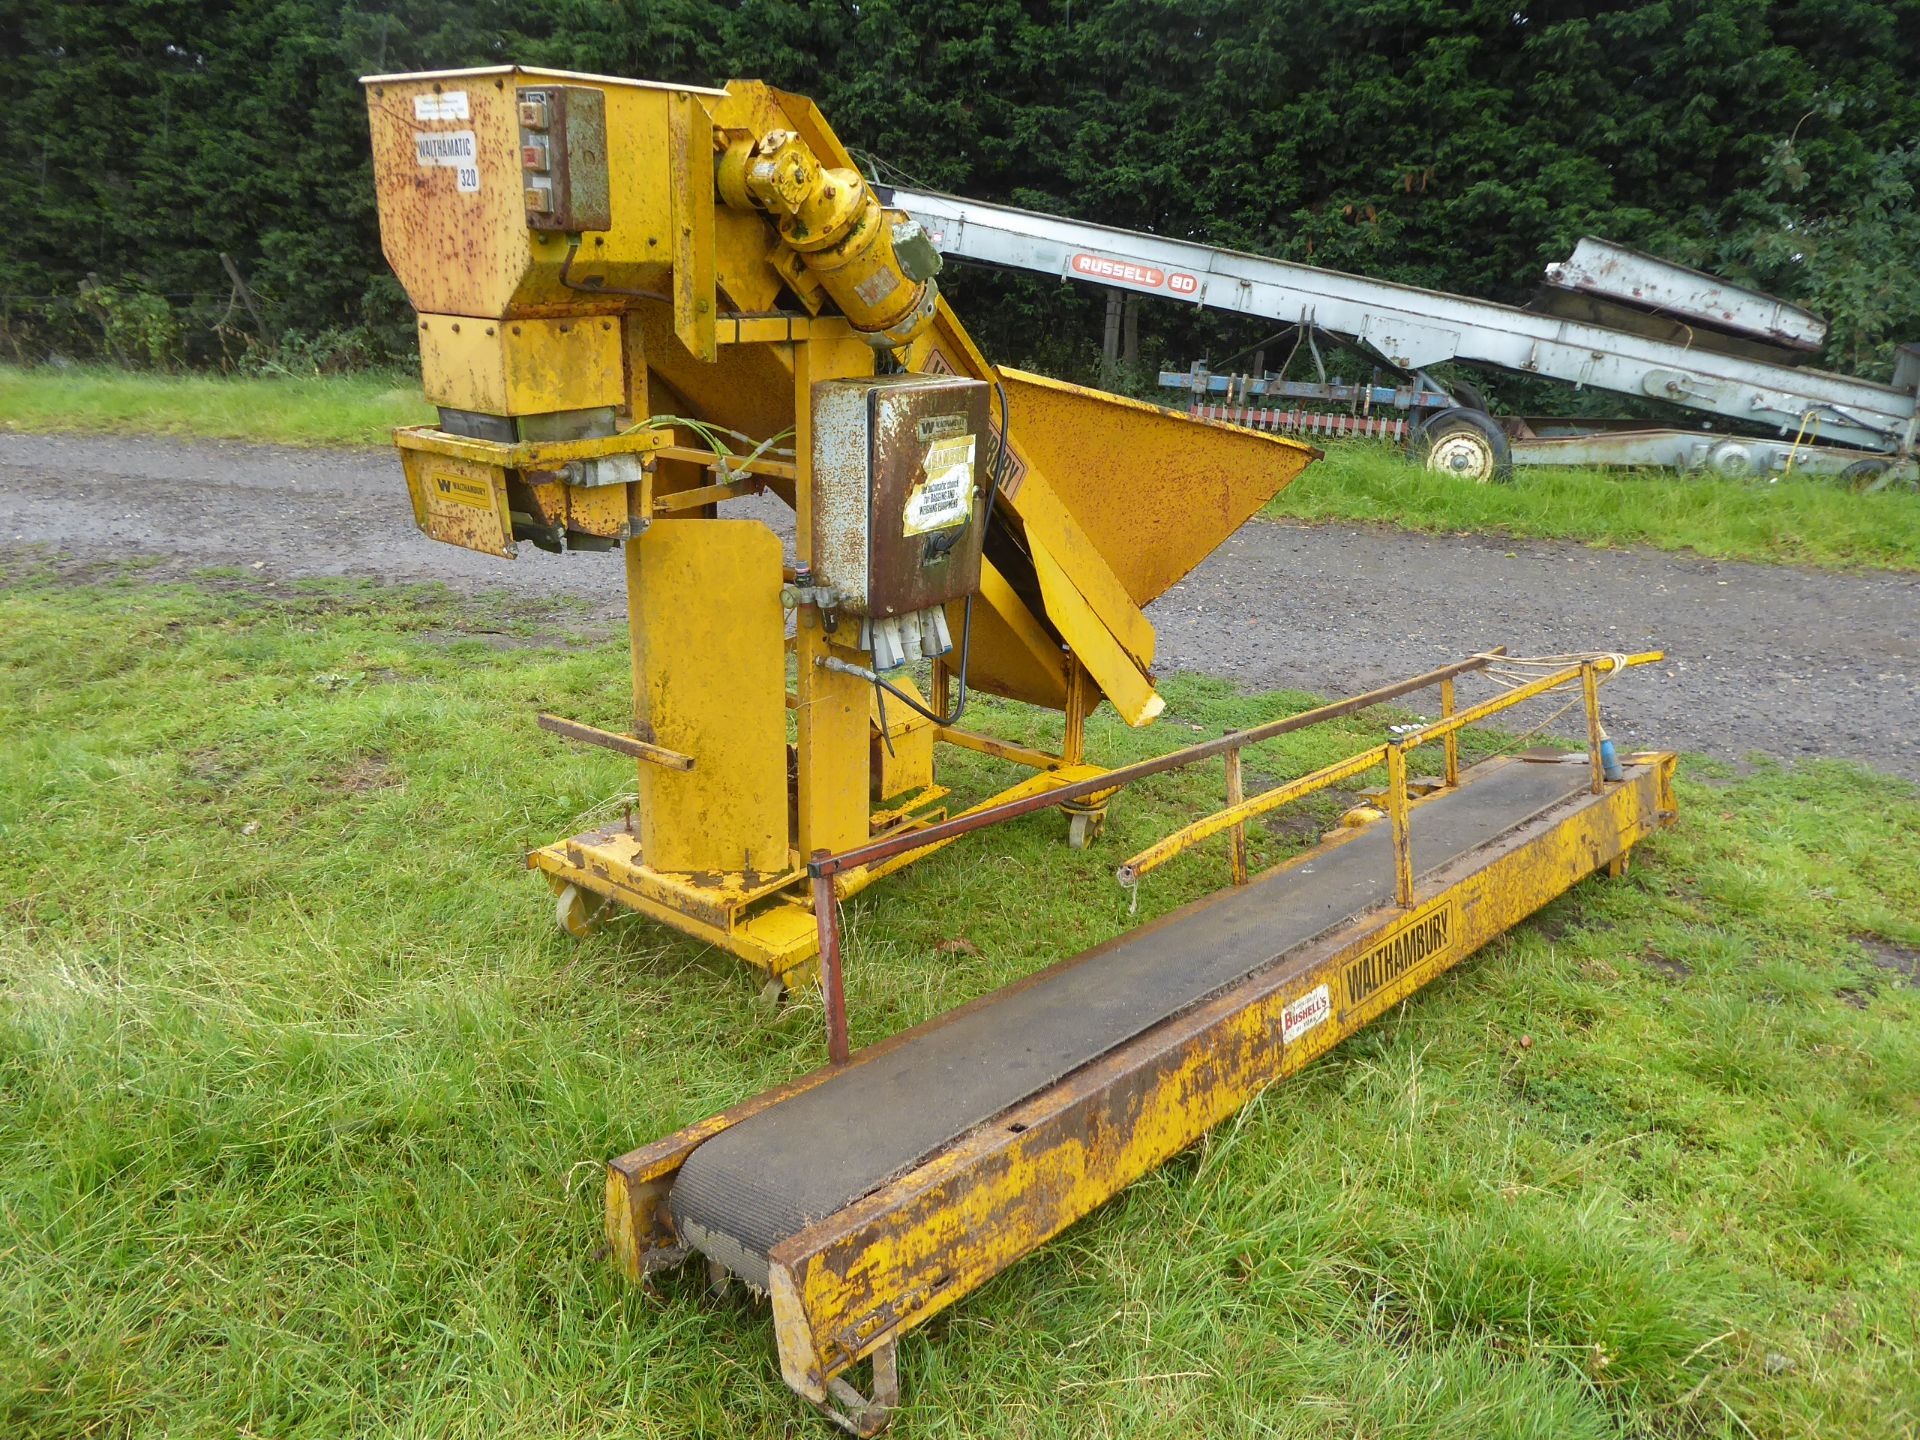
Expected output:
(1834, 421)
(847, 1286)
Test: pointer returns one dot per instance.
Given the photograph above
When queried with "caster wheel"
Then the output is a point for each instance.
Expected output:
(1084, 827)
(580, 912)
(773, 994)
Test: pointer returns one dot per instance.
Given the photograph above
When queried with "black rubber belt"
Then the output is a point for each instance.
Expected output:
(770, 1176)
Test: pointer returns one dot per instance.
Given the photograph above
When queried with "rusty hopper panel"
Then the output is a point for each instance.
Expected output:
(1155, 490)
(1646, 282)
(450, 186)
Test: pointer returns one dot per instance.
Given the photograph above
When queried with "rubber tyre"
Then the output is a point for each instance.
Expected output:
(1860, 476)
(1466, 444)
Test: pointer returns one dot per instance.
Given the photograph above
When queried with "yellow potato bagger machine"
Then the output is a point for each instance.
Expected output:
(639, 303)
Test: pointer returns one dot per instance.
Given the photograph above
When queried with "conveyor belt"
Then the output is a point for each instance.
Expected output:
(765, 1179)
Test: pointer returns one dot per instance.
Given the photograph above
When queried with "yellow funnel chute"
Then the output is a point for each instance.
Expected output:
(1116, 500)
(1154, 490)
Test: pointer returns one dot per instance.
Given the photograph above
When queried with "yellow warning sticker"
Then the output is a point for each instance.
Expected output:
(945, 498)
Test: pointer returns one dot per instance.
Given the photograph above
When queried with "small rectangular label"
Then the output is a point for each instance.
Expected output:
(877, 286)
(1303, 1014)
(466, 179)
(451, 148)
(941, 427)
(460, 489)
(449, 106)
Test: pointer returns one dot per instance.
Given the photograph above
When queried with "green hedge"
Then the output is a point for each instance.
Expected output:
(1458, 145)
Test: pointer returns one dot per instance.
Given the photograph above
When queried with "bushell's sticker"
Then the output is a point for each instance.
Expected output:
(1303, 1014)
(945, 498)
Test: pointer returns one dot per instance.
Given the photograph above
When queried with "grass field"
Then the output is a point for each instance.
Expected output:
(274, 410)
(303, 1099)
(1798, 521)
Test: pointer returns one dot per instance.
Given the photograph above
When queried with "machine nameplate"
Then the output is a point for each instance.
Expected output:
(1416, 941)
(461, 489)
(455, 150)
(450, 148)
(452, 105)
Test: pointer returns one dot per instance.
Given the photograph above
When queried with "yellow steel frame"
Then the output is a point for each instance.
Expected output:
(723, 204)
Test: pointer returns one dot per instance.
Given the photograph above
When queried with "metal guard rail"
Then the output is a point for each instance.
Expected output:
(1393, 754)
(822, 866)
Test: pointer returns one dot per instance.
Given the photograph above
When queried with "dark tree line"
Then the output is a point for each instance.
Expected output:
(1452, 143)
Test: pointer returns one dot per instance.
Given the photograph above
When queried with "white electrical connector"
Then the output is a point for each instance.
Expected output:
(935, 638)
(896, 640)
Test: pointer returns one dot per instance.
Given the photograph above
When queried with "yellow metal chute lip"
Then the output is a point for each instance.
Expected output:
(1151, 491)
(1128, 402)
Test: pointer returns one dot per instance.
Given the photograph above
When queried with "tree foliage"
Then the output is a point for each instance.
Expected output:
(1459, 144)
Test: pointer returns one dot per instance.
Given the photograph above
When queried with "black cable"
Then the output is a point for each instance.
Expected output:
(966, 617)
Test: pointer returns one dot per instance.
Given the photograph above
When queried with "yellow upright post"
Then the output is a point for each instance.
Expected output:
(832, 708)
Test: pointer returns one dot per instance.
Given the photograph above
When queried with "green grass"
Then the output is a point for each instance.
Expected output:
(303, 1098)
(320, 410)
(1808, 522)
(1799, 521)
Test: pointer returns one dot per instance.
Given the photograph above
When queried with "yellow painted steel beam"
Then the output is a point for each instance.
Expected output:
(999, 749)
(709, 682)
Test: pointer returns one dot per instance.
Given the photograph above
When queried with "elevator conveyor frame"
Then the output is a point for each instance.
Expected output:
(861, 1220)
(1825, 423)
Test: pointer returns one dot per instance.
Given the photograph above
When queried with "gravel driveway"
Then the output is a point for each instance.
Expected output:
(1762, 658)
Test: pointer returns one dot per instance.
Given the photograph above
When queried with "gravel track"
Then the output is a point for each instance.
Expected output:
(1762, 659)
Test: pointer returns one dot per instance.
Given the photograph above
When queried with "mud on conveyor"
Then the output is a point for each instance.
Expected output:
(765, 1179)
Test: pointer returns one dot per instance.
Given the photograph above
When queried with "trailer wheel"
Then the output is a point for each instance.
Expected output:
(1866, 475)
(1467, 444)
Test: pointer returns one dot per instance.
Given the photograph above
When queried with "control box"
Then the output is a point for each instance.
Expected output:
(899, 490)
(563, 158)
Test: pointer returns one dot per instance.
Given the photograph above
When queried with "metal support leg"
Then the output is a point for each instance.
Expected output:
(1402, 837)
(863, 1415)
(1080, 701)
(1237, 837)
(826, 915)
(941, 685)
(1452, 741)
(1590, 691)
